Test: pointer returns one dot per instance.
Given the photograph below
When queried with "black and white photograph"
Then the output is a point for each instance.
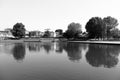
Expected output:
(59, 40)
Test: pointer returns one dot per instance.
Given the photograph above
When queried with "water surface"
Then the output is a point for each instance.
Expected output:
(59, 61)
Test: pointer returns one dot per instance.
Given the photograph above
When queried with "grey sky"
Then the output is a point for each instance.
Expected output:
(54, 14)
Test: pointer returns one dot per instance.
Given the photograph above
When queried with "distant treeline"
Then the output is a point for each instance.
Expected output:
(96, 28)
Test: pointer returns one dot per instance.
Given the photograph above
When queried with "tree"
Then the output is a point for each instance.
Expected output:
(18, 30)
(115, 33)
(47, 33)
(110, 23)
(95, 27)
(74, 29)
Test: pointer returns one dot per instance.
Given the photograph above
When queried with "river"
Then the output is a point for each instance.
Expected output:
(59, 61)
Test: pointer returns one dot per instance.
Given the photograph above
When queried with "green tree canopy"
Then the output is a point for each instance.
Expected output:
(73, 30)
(18, 30)
(110, 23)
(115, 33)
(95, 27)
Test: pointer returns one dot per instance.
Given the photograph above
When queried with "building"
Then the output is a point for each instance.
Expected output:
(48, 34)
(35, 34)
(9, 33)
(59, 33)
(6, 34)
(51, 34)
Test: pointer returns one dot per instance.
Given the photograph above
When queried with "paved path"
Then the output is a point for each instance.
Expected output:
(98, 42)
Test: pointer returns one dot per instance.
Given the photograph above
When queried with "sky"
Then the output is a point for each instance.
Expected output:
(54, 14)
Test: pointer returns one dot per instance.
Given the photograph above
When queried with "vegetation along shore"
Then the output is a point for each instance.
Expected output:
(98, 30)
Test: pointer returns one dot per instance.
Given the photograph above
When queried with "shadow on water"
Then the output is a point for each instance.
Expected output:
(103, 55)
(18, 52)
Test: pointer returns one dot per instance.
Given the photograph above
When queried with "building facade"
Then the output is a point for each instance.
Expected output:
(35, 34)
(6, 34)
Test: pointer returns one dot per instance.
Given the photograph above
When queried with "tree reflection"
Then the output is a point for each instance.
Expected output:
(47, 47)
(19, 52)
(103, 55)
(74, 51)
(34, 46)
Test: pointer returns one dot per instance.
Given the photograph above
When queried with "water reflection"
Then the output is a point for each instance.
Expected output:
(59, 47)
(97, 55)
(32, 46)
(48, 47)
(18, 52)
(6, 48)
(59, 66)
(103, 55)
(74, 50)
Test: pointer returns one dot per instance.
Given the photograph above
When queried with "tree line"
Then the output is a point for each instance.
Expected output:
(96, 28)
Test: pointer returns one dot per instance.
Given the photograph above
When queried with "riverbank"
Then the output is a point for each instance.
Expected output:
(98, 42)
(11, 41)
(52, 40)
(27, 40)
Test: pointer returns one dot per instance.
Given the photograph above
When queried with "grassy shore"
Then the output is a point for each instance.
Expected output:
(27, 40)
(11, 41)
(51, 40)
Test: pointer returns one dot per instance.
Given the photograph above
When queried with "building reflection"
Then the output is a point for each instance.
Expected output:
(6, 48)
(18, 52)
(36, 46)
(32, 46)
(59, 47)
(103, 55)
